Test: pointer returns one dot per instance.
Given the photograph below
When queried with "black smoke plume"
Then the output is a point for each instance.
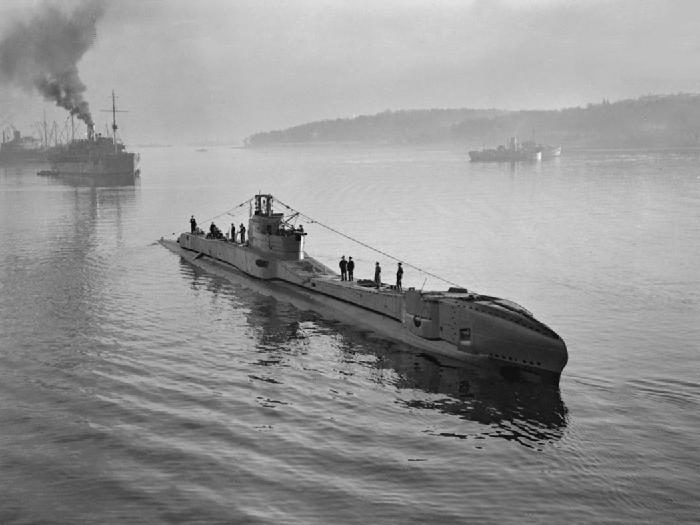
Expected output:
(43, 53)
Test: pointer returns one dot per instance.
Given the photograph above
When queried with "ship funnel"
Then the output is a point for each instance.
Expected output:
(91, 132)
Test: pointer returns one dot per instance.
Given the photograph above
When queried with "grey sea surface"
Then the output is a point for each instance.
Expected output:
(136, 388)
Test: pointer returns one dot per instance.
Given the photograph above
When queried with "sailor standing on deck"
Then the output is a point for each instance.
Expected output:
(377, 274)
(193, 225)
(399, 275)
(343, 269)
(233, 232)
(351, 268)
(242, 228)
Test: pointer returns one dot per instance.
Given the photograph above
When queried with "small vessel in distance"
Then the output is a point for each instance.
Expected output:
(455, 323)
(94, 157)
(17, 149)
(515, 151)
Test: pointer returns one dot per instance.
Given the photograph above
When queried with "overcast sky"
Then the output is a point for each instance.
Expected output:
(224, 69)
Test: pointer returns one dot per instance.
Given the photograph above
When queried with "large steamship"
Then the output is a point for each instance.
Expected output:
(455, 323)
(96, 156)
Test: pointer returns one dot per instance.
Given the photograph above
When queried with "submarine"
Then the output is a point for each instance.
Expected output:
(461, 325)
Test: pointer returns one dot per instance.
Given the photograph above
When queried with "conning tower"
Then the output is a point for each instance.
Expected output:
(270, 232)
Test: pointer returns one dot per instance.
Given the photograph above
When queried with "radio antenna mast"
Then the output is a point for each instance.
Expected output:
(114, 111)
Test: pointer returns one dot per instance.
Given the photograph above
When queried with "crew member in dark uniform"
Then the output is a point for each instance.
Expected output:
(343, 269)
(242, 228)
(399, 275)
(215, 232)
(377, 274)
(193, 225)
(233, 232)
(351, 268)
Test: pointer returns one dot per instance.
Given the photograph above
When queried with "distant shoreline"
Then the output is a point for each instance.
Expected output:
(653, 121)
(452, 146)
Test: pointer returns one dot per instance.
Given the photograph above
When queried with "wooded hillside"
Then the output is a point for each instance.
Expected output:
(649, 121)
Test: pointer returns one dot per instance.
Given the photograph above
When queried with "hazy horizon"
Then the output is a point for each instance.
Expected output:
(219, 71)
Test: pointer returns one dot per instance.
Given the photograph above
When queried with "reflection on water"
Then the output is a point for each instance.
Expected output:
(55, 261)
(80, 181)
(529, 414)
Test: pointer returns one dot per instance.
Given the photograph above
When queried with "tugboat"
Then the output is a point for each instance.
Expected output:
(95, 157)
(513, 151)
(456, 323)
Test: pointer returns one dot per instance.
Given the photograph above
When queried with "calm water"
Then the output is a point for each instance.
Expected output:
(136, 388)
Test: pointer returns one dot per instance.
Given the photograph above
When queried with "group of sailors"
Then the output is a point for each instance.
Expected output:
(347, 270)
(216, 233)
(347, 266)
(241, 233)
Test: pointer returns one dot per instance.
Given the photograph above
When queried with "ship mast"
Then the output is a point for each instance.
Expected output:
(114, 111)
(114, 123)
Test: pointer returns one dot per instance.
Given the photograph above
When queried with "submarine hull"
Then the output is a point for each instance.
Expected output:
(458, 326)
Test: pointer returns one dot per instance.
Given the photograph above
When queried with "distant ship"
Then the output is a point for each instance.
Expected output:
(94, 157)
(460, 324)
(514, 151)
(17, 149)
